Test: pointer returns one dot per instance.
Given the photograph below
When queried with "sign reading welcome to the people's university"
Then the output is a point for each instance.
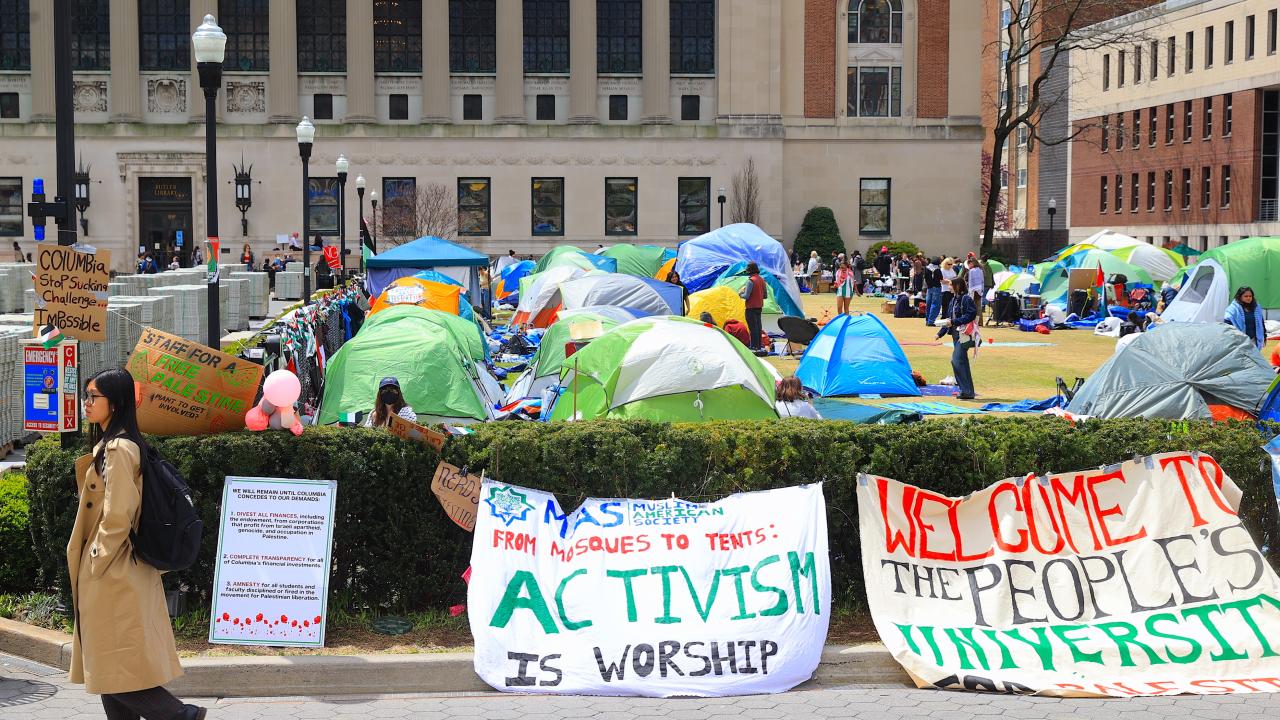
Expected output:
(71, 291)
(649, 597)
(188, 388)
(271, 585)
(1134, 579)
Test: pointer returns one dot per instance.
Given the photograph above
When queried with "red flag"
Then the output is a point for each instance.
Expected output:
(335, 263)
(1100, 279)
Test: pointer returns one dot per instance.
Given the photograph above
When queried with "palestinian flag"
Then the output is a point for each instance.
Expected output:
(351, 418)
(50, 336)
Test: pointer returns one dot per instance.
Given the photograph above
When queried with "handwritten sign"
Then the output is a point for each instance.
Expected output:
(71, 291)
(458, 493)
(406, 430)
(188, 388)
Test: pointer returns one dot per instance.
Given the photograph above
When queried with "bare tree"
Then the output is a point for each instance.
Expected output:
(1048, 30)
(433, 210)
(745, 205)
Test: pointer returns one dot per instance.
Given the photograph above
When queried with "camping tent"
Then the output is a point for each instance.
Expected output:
(1055, 286)
(1212, 282)
(426, 253)
(438, 358)
(1111, 240)
(544, 369)
(1163, 265)
(428, 294)
(568, 255)
(1176, 371)
(1271, 403)
(723, 302)
(509, 282)
(735, 276)
(617, 290)
(701, 260)
(855, 355)
(540, 295)
(639, 260)
(667, 368)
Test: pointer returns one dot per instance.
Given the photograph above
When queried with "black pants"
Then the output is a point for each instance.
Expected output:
(947, 296)
(754, 326)
(154, 704)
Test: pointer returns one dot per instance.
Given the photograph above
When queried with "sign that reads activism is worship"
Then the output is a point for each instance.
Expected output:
(1136, 579)
(649, 597)
(188, 388)
(71, 291)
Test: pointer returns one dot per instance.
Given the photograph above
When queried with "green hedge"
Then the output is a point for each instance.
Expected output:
(818, 231)
(17, 560)
(394, 547)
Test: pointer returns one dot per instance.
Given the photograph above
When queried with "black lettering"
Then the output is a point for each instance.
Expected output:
(618, 669)
(1187, 597)
(547, 667)
(522, 678)
(667, 649)
(645, 667)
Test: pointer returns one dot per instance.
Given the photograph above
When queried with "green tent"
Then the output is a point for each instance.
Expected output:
(437, 357)
(639, 260)
(1212, 282)
(1056, 279)
(1186, 250)
(568, 255)
(544, 369)
(996, 266)
(669, 369)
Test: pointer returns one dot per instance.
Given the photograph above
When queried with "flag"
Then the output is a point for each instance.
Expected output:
(331, 258)
(350, 418)
(50, 336)
(1101, 278)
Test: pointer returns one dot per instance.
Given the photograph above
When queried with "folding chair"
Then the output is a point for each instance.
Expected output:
(798, 331)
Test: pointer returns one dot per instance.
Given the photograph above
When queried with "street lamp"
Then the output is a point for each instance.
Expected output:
(244, 193)
(360, 193)
(82, 195)
(373, 231)
(1053, 210)
(342, 166)
(720, 200)
(210, 45)
(306, 135)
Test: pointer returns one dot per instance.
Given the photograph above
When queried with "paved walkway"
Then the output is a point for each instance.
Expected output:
(34, 692)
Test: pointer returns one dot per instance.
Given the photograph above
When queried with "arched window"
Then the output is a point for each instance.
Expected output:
(875, 21)
(546, 36)
(473, 27)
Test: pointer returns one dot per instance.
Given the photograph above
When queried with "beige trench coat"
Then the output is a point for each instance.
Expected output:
(123, 639)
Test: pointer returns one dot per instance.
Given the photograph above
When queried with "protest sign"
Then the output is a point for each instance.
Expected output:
(271, 585)
(406, 430)
(1134, 579)
(50, 383)
(458, 493)
(188, 388)
(71, 291)
(649, 597)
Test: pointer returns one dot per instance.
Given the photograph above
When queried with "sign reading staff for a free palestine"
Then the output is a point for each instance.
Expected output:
(189, 388)
(1135, 579)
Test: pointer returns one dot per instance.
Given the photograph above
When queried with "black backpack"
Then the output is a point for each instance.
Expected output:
(169, 529)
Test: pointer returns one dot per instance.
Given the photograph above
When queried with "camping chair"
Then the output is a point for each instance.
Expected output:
(797, 330)
(1066, 393)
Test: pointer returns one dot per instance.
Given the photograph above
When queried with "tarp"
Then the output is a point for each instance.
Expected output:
(1175, 371)
(568, 255)
(1056, 283)
(701, 260)
(1213, 280)
(735, 276)
(422, 293)
(544, 369)
(638, 260)
(854, 355)
(509, 282)
(1271, 404)
(835, 409)
(614, 290)
(426, 253)
(1161, 264)
(437, 276)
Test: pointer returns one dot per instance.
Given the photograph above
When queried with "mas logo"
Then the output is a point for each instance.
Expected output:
(507, 504)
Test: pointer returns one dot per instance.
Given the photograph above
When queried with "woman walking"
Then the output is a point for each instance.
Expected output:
(844, 287)
(123, 644)
(1245, 315)
(959, 326)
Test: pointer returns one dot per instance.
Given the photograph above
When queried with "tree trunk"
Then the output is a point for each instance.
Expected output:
(1000, 136)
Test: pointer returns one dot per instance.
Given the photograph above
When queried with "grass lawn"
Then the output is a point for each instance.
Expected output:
(999, 374)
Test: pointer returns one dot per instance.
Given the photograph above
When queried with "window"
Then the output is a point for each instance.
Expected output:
(472, 108)
(322, 106)
(1022, 177)
(1168, 190)
(1119, 193)
(397, 36)
(620, 206)
(1229, 42)
(1168, 123)
(875, 92)
(15, 35)
(322, 205)
(400, 207)
(163, 35)
(1137, 63)
(691, 108)
(1103, 195)
(1106, 132)
(874, 206)
(245, 23)
(322, 36)
(11, 223)
(473, 206)
(546, 36)
(1119, 131)
(1249, 31)
(1190, 50)
(91, 34)
(1208, 117)
(1106, 72)
(398, 106)
(1134, 194)
(618, 38)
(693, 206)
(1206, 186)
(9, 106)
(1137, 129)
(1151, 191)
(1153, 120)
(1120, 61)
(473, 27)
(877, 21)
(1186, 188)
(693, 37)
(1226, 186)
(546, 107)
(618, 107)
(1023, 135)
(1171, 46)
(1208, 47)
(1271, 32)
(1023, 95)
(547, 205)
(1155, 59)
(1226, 115)
(1186, 121)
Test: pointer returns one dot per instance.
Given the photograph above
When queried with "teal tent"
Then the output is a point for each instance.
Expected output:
(856, 355)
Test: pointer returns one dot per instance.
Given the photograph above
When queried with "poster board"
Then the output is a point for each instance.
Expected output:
(50, 382)
(275, 544)
(189, 388)
(71, 291)
(1082, 279)
(458, 493)
(407, 430)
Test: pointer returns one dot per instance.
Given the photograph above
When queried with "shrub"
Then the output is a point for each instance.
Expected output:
(394, 547)
(896, 248)
(820, 232)
(17, 561)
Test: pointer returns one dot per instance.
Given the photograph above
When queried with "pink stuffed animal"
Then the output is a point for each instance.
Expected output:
(275, 410)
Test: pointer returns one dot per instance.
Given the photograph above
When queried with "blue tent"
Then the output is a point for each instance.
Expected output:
(1271, 403)
(777, 289)
(672, 294)
(856, 355)
(509, 283)
(426, 253)
(440, 277)
(701, 260)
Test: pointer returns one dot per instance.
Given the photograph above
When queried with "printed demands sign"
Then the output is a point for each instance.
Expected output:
(190, 389)
(71, 291)
(1135, 579)
(649, 597)
(271, 586)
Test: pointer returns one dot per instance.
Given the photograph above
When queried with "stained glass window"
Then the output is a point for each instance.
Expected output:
(546, 36)
(473, 206)
(693, 37)
(322, 36)
(246, 23)
(876, 21)
(91, 34)
(620, 206)
(547, 206)
(693, 206)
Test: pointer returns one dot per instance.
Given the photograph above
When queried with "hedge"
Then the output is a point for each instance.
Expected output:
(818, 232)
(394, 548)
(17, 562)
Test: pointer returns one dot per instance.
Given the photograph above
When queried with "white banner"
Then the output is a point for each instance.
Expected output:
(649, 597)
(271, 586)
(1134, 579)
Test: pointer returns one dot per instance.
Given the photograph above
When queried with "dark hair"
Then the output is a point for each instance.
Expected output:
(707, 318)
(959, 287)
(754, 269)
(1240, 294)
(116, 386)
(382, 409)
(675, 275)
(790, 389)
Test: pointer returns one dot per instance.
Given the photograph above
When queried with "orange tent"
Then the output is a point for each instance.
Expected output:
(665, 270)
(423, 293)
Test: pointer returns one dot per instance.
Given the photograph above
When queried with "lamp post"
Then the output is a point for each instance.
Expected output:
(210, 45)
(244, 194)
(306, 136)
(721, 200)
(1053, 210)
(82, 196)
(373, 231)
(360, 194)
(342, 166)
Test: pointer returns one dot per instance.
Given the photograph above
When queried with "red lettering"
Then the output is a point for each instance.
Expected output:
(1104, 513)
(1029, 490)
(1078, 500)
(995, 515)
(893, 537)
(923, 496)
(1214, 484)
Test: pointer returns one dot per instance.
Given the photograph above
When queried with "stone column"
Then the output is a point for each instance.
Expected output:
(42, 101)
(509, 86)
(282, 83)
(583, 108)
(360, 80)
(195, 95)
(656, 42)
(126, 85)
(435, 62)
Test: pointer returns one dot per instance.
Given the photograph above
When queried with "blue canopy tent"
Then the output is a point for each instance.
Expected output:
(700, 261)
(856, 355)
(427, 253)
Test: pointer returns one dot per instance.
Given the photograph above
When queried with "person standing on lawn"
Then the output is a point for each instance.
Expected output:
(1245, 315)
(844, 287)
(964, 312)
(932, 291)
(975, 281)
(754, 294)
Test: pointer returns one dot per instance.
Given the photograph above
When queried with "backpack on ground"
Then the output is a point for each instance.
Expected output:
(169, 528)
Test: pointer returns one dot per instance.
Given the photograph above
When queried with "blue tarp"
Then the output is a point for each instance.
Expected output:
(701, 260)
(1027, 406)
(1271, 403)
(833, 409)
(509, 282)
(425, 253)
(439, 277)
(854, 355)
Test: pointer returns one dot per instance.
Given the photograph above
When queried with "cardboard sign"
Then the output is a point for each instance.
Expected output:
(49, 387)
(406, 430)
(458, 493)
(188, 388)
(1133, 579)
(71, 291)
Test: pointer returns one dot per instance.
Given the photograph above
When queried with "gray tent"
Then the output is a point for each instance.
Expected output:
(1175, 371)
